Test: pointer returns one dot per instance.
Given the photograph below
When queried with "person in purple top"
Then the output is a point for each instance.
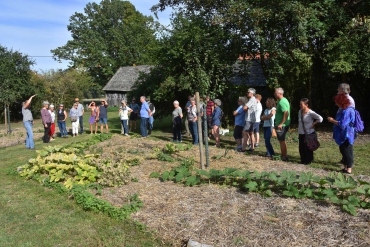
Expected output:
(344, 132)
(145, 113)
(46, 121)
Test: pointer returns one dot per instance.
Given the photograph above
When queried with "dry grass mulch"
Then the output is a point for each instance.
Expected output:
(223, 216)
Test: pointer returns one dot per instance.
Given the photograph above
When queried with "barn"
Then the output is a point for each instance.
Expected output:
(120, 84)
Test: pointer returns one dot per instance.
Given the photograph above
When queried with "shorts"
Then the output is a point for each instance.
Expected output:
(238, 132)
(133, 116)
(248, 127)
(256, 127)
(281, 133)
(103, 120)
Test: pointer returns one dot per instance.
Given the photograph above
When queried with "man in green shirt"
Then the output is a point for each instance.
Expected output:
(282, 121)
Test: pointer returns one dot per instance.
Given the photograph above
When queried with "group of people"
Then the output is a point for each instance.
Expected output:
(248, 117)
(276, 119)
(213, 116)
(276, 122)
(50, 116)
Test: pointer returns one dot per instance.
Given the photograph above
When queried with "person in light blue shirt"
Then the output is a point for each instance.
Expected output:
(145, 113)
(344, 131)
(239, 114)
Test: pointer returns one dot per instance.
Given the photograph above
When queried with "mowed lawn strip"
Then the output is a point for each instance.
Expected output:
(32, 215)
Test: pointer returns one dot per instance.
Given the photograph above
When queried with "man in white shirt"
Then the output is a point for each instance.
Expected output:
(256, 127)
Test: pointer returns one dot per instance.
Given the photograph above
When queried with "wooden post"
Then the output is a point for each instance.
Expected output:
(200, 135)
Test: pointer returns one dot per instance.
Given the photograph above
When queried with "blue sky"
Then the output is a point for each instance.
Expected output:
(34, 27)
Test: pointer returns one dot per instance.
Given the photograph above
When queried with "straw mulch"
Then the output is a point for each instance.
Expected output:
(18, 136)
(223, 216)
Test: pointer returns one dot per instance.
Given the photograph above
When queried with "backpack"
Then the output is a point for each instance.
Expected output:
(222, 115)
(358, 124)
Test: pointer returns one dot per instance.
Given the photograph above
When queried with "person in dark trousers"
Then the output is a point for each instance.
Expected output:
(46, 121)
(307, 119)
(151, 119)
(144, 114)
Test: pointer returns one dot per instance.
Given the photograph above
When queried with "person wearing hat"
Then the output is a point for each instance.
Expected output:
(123, 112)
(135, 111)
(81, 111)
(28, 122)
(52, 127)
(46, 121)
(151, 119)
(61, 117)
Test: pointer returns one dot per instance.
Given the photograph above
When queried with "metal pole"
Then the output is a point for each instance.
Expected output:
(199, 117)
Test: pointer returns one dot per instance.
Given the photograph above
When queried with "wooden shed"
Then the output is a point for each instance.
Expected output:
(120, 84)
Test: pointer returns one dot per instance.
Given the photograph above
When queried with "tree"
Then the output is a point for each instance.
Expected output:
(107, 36)
(15, 73)
(62, 87)
(195, 55)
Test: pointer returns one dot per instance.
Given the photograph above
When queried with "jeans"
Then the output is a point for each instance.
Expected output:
(62, 128)
(151, 121)
(143, 124)
(346, 149)
(81, 120)
(304, 152)
(125, 126)
(267, 131)
(46, 137)
(177, 132)
(29, 139)
(193, 128)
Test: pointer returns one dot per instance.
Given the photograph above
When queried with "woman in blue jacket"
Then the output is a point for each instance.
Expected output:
(344, 132)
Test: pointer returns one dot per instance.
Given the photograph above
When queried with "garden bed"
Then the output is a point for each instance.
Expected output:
(223, 216)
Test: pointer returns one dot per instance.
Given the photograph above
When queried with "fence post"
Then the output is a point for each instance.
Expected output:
(200, 136)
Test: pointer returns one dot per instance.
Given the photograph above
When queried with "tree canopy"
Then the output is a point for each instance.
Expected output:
(107, 36)
(15, 74)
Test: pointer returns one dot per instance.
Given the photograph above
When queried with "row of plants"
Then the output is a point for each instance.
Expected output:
(70, 171)
(336, 188)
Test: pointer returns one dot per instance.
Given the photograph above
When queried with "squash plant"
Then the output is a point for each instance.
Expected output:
(336, 188)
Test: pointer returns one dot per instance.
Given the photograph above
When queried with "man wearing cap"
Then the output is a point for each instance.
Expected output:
(28, 122)
(151, 119)
(135, 111)
(46, 121)
(80, 112)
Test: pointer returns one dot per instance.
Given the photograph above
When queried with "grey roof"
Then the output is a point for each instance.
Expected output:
(125, 77)
(255, 77)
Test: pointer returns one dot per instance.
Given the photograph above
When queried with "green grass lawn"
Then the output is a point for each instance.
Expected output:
(32, 215)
